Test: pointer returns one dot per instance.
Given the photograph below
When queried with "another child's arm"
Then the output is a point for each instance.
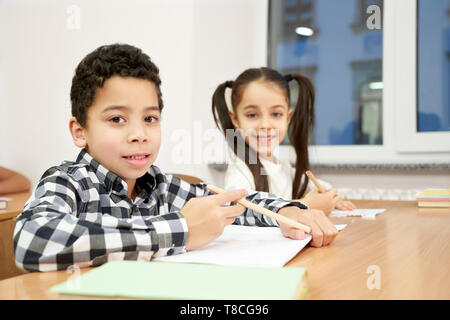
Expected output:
(11, 181)
(343, 204)
(325, 201)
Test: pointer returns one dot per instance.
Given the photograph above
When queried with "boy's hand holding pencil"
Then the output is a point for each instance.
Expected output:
(204, 228)
(294, 222)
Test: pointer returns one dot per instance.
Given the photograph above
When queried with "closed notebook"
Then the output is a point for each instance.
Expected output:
(163, 280)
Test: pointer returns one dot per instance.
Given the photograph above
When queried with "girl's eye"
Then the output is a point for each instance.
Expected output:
(277, 114)
(117, 119)
(251, 115)
(151, 119)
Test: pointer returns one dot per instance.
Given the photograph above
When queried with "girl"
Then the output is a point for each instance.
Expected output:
(260, 100)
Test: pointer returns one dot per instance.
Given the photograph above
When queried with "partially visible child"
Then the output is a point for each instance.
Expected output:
(112, 203)
(13, 182)
(260, 112)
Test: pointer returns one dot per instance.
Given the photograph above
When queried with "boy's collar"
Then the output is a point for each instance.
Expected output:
(112, 181)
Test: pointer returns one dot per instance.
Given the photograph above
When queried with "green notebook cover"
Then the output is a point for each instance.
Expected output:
(163, 280)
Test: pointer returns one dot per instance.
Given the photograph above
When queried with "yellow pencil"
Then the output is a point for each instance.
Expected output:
(315, 181)
(264, 211)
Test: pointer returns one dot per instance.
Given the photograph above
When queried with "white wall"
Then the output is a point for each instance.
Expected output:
(38, 56)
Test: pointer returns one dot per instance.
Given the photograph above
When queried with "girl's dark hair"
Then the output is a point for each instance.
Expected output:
(302, 121)
(103, 63)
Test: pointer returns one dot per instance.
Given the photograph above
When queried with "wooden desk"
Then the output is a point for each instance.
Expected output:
(15, 206)
(7, 223)
(411, 248)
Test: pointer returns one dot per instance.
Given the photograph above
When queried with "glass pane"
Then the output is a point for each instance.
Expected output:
(433, 59)
(338, 45)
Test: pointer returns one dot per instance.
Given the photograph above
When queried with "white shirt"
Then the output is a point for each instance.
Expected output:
(280, 176)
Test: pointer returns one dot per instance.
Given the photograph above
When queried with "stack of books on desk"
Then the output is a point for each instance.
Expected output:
(434, 198)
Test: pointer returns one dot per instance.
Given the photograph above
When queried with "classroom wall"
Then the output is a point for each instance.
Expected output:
(41, 48)
(196, 43)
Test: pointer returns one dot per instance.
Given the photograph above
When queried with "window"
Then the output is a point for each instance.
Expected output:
(433, 61)
(330, 42)
(421, 69)
(373, 81)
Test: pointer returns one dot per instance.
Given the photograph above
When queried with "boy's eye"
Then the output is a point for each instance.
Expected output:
(117, 119)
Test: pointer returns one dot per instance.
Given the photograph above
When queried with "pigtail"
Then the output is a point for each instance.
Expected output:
(302, 122)
(220, 109)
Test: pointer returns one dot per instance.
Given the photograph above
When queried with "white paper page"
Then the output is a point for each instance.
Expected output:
(364, 213)
(245, 246)
(339, 227)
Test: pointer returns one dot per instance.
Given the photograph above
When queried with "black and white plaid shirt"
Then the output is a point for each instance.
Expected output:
(80, 214)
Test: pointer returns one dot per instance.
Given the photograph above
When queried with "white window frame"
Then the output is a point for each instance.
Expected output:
(401, 142)
(409, 140)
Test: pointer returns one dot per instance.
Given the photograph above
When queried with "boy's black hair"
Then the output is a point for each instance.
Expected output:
(103, 63)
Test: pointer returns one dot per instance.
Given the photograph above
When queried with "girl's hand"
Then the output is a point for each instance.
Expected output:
(325, 201)
(345, 205)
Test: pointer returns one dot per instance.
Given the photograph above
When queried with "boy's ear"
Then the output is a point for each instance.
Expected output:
(233, 119)
(77, 132)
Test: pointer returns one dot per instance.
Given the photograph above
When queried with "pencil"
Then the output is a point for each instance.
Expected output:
(264, 211)
(315, 181)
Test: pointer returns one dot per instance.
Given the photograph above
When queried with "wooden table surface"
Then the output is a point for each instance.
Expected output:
(15, 206)
(408, 247)
(404, 253)
(7, 223)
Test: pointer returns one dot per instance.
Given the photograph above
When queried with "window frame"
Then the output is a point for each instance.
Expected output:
(401, 142)
(409, 140)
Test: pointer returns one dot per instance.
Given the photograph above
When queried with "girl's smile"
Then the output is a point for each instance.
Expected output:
(262, 116)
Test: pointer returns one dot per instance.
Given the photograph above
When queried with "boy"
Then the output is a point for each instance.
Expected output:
(112, 203)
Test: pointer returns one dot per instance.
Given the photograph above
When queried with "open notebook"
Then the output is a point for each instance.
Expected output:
(245, 246)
